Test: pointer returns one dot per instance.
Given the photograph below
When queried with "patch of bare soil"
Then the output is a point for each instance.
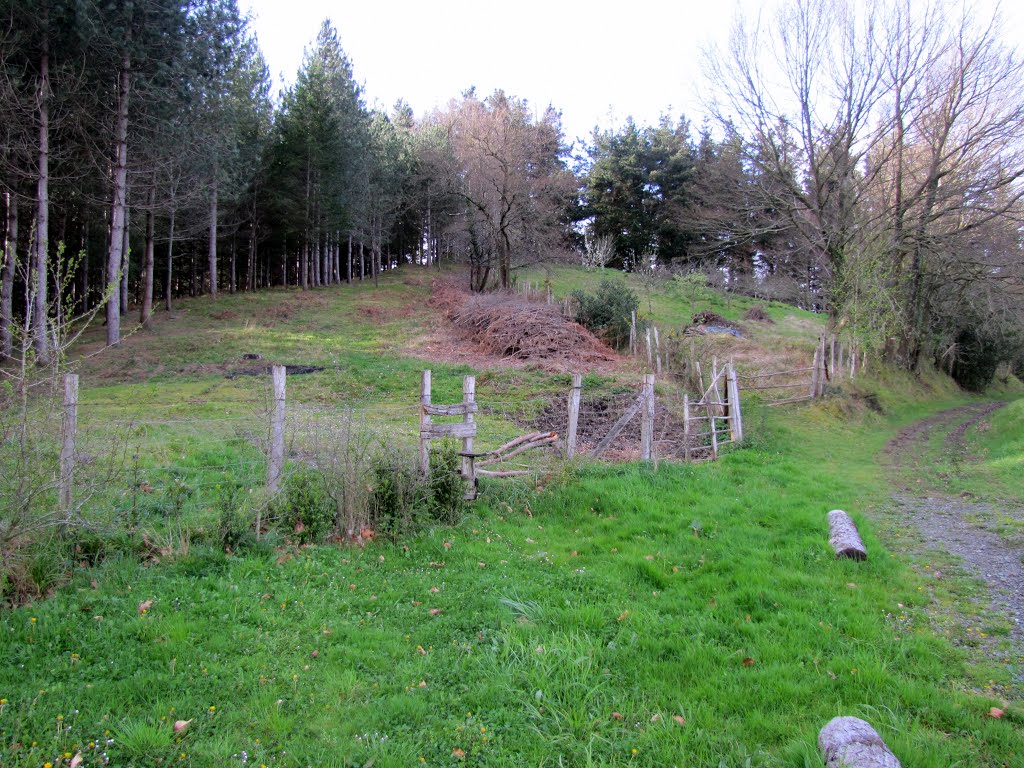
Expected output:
(954, 524)
(506, 330)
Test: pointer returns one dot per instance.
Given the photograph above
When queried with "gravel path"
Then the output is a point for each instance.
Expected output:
(954, 523)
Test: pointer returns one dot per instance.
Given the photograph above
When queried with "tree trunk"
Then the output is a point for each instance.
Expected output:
(117, 210)
(362, 262)
(84, 250)
(304, 264)
(213, 238)
(126, 256)
(7, 279)
(843, 536)
(250, 278)
(234, 254)
(42, 241)
(147, 261)
(169, 294)
(349, 273)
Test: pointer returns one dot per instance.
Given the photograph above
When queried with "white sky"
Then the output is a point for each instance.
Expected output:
(595, 61)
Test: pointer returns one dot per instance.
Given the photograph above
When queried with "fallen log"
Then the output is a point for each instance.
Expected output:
(849, 742)
(843, 536)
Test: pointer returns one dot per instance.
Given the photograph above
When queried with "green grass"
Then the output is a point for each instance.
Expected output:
(569, 626)
(598, 600)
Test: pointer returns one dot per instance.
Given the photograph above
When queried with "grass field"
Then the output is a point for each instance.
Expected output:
(620, 615)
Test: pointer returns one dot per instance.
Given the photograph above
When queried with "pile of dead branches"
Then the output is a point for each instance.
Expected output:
(512, 327)
(523, 330)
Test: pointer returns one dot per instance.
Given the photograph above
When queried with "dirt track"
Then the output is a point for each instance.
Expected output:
(956, 524)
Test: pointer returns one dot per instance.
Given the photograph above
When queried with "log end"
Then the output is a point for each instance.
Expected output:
(843, 536)
(849, 742)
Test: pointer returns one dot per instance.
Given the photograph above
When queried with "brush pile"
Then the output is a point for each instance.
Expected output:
(512, 327)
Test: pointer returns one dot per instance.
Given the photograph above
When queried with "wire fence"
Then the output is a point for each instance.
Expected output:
(133, 459)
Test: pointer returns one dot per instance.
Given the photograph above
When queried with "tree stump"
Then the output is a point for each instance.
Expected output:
(843, 536)
(849, 742)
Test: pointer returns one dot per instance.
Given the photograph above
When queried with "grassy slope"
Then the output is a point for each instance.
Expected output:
(602, 602)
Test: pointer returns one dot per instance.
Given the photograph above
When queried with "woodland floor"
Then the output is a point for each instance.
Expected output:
(962, 526)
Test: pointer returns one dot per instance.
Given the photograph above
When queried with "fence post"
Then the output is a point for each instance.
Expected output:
(424, 423)
(468, 397)
(574, 414)
(632, 333)
(276, 464)
(736, 422)
(686, 428)
(657, 352)
(825, 373)
(69, 433)
(832, 356)
(650, 355)
(853, 360)
(647, 419)
(814, 373)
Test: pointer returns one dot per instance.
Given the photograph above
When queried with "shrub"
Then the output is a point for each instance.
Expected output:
(397, 494)
(446, 488)
(305, 509)
(978, 357)
(608, 311)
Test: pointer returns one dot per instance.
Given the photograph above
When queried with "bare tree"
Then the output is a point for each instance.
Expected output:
(895, 137)
(513, 183)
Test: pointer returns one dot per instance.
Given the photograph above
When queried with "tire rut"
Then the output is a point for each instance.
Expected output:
(947, 522)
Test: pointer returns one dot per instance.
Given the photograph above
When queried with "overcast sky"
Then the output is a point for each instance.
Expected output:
(596, 65)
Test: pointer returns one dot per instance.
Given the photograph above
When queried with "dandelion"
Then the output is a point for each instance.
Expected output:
(634, 751)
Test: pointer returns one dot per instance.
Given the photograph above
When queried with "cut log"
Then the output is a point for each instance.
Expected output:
(849, 742)
(843, 536)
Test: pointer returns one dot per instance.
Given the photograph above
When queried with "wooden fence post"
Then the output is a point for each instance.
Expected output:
(69, 433)
(574, 414)
(424, 423)
(814, 373)
(736, 420)
(276, 464)
(853, 361)
(468, 398)
(632, 333)
(686, 428)
(657, 352)
(650, 354)
(832, 356)
(647, 419)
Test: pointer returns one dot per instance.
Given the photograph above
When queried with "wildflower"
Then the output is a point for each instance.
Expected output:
(634, 751)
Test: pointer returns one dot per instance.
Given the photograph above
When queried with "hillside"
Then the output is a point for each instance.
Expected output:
(590, 614)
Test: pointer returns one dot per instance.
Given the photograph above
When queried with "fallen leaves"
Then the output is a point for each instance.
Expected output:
(459, 754)
(144, 606)
(76, 760)
(679, 719)
(996, 713)
(181, 725)
(748, 662)
(623, 616)
(437, 565)
(435, 611)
